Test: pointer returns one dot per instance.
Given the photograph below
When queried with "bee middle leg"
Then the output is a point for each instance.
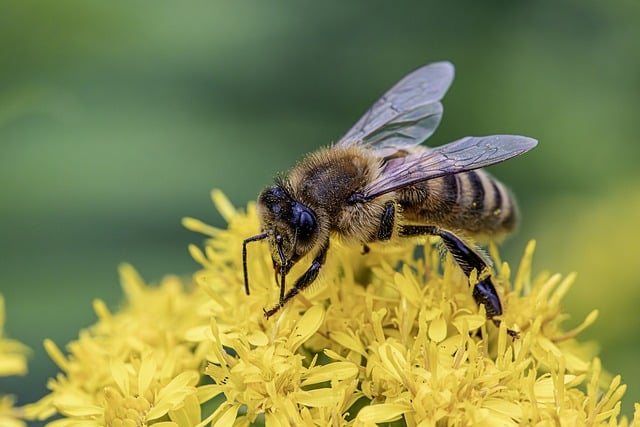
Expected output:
(385, 230)
(484, 291)
(303, 282)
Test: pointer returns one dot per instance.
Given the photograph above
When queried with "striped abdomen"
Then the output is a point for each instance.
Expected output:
(473, 202)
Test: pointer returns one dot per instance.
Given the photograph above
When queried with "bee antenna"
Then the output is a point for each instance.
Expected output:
(255, 238)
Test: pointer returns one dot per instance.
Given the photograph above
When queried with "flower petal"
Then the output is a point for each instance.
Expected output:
(383, 413)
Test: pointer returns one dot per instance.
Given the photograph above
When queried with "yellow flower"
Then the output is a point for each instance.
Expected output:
(12, 362)
(133, 367)
(390, 336)
(372, 342)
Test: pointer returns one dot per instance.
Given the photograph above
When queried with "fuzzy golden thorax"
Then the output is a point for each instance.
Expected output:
(326, 181)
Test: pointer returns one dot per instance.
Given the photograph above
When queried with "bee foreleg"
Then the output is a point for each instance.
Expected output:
(303, 281)
(484, 291)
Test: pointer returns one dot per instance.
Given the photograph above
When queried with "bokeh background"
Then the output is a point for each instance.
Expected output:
(118, 118)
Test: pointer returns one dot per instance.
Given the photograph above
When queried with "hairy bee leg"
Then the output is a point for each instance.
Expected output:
(385, 231)
(484, 291)
(303, 281)
(283, 268)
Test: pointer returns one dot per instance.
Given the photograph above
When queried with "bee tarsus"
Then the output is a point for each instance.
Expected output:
(484, 292)
(303, 281)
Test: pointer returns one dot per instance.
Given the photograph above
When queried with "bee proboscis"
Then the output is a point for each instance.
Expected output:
(377, 183)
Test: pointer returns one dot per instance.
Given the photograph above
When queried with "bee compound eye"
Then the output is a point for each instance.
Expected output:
(306, 224)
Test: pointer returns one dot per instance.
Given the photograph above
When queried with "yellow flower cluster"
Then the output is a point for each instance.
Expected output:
(393, 335)
(12, 362)
(390, 336)
(133, 367)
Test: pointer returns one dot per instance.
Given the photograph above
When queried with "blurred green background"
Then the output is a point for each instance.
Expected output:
(117, 118)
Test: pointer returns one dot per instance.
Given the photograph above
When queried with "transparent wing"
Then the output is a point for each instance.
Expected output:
(462, 155)
(406, 114)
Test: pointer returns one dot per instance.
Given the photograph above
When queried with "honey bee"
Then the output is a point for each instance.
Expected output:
(377, 184)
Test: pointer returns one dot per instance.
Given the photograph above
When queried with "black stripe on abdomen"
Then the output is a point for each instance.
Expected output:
(497, 198)
(449, 192)
(477, 191)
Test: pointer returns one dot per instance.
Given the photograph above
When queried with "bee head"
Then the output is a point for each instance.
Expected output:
(291, 227)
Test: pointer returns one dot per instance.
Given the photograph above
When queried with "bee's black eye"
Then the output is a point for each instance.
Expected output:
(305, 222)
(306, 225)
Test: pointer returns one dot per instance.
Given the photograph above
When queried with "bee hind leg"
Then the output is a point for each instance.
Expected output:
(484, 291)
